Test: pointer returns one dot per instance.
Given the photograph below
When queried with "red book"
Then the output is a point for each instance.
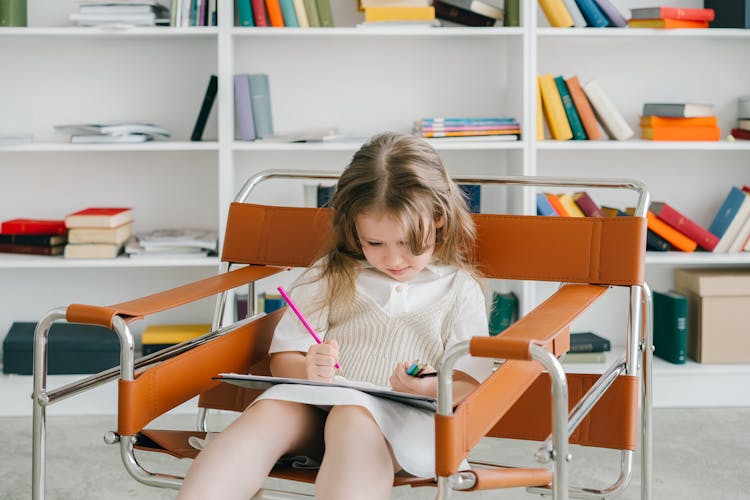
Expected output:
(686, 226)
(738, 133)
(587, 205)
(33, 226)
(687, 14)
(99, 217)
(259, 12)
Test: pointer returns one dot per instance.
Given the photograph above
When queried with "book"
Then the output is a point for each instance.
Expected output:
(595, 18)
(677, 109)
(738, 133)
(670, 326)
(656, 242)
(677, 239)
(570, 206)
(575, 13)
(673, 121)
(743, 124)
(375, 14)
(92, 251)
(554, 200)
(587, 204)
(325, 193)
(299, 11)
(311, 10)
(504, 311)
(472, 138)
(44, 240)
(612, 121)
(473, 195)
(570, 110)
(610, 11)
(686, 13)
(245, 13)
(740, 241)
(512, 10)
(309, 135)
(289, 13)
(556, 13)
(539, 112)
(108, 139)
(273, 9)
(243, 107)
(702, 236)
(554, 110)
(583, 107)
(729, 13)
(477, 6)
(205, 110)
(157, 337)
(31, 249)
(457, 15)
(260, 97)
(471, 132)
(728, 221)
(666, 23)
(33, 226)
(543, 206)
(325, 13)
(13, 13)
(588, 342)
(264, 382)
(206, 239)
(114, 235)
(99, 217)
(259, 13)
(116, 129)
(583, 357)
(681, 133)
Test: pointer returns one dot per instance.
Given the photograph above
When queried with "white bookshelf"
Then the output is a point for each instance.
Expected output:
(362, 81)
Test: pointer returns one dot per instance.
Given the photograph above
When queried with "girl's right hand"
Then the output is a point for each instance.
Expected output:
(320, 361)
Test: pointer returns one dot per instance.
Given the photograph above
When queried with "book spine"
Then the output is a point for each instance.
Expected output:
(13, 13)
(670, 326)
(31, 249)
(375, 14)
(477, 6)
(461, 16)
(727, 212)
(311, 9)
(243, 107)
(289, 13)
(433, 121)
(208, 102)
(512, 13)
(570, 205)
(583, 107)
(676, 238)
(32, 239)
(543, 206)
(687, 14)
(688, 227)
(595, 18)
(611, 119)
(260, 96)
(467, 133)
(325, 13)
(299, 10)
(570, 110)
(458, 128)
(259, 12)
(554, 200)
(587, 205)
(274, 13)
(611, 13)
(245, 13)
(27, 226)
(553, 108)
(672, 122)
(656, 242)
(539, 112)
(556, 13)
(681, 133)
(578, 20)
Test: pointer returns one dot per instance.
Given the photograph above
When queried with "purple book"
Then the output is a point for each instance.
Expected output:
(243, 107)
(611, 12)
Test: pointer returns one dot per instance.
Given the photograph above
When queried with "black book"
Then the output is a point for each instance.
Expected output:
(588, 342)
(656, 242)
(325, 193)
(461, 16)
(208, 102)
(729, 13)
(44, 240)
(473, 195)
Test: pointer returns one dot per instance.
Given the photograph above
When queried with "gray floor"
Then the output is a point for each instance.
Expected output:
(698, 454)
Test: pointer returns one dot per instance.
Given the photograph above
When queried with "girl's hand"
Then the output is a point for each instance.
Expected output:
(320, 361)
(403, 382)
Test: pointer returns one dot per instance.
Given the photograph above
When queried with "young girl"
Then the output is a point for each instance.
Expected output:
(396, 287)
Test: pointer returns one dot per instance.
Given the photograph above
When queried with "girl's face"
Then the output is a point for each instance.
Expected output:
(383, 241)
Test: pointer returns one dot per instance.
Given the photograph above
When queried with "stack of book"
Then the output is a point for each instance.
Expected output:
(473, 12)
(582, 13)
(123, 132)
(33, 236)
(670, 17)
(98, 232)
(679, 121)
(493, 128)
(742, 130)
(285, 13)
(182, 242)
(398, 13)
(587, 347)
(133, 13)
(574, 111)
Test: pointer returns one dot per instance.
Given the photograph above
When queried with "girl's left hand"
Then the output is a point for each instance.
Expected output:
(403, 382)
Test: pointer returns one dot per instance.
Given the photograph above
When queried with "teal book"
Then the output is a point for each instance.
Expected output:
(245, 13)
(260, 99)
(570, 110)
(670, 326)
(288, 13)
(325, 13)
(504, 311)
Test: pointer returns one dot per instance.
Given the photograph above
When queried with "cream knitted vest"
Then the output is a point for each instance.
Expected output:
(371, 341)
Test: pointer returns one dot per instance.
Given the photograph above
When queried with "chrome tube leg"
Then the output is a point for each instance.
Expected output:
(202, 423)
(443, 489)
(39, 397)
(559, 419)
(647, 396)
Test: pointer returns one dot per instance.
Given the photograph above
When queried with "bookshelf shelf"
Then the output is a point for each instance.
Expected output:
(155, 146)
(354, 144)
(673, 258)
(377, 32)
(108, 32)
(642, 33)
(643, 145)
(13, 261)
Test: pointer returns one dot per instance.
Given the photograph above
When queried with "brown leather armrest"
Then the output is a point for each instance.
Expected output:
(138, 308)
(542, 326)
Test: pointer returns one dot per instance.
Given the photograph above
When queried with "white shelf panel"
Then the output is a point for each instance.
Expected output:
(353, 145)
(377, 31)
(114, 31)
(642, 32)
(673, 258)
(152, 146)
(643, 145)
(15, 261)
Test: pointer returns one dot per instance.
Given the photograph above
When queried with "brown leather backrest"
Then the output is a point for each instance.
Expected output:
(608, 250)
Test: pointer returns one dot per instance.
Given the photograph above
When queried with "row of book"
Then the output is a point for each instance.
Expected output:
(604, 13)
(285, 13)
(679, 121)
(491, 128)
(186, 13)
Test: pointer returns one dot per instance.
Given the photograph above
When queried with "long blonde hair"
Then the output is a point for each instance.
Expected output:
(404, 177)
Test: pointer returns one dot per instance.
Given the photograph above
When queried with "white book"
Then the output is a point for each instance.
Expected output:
(114, 235)
(612, 121)
(179, 237)
(308, 135)
(578, 20)
(108, 139)
(92, 251)
(740, 240)
(733, 230)
(120, 128)
(299, 10)
(95, 19)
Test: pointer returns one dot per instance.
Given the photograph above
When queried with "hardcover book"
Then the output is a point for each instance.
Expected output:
(681, 133)
(730, 218)
(33, 226)
(113, 235)
(477, 6)
(578, 20)
(554, 110)
(273, 9)
(595, 18)
(702, 236)
(543, 206)
(666, 23)
(243, 107)
(44, 240)
(289, 13)
(325, 13)
(259, 12)
(512, 13)
(99, 217)
(587, 204)
(583, 357)
(729, 13)
(554, 200)
(570, 110)
(611, 13)
(739, 133)
(686, 13)
(206, 105)
(260, 97)
(588, 342)
(652, 121)
(473, 196)
(583, 107)
(570, 206)
(31, 249)
(504, 311)
(92, 251)
(376, 14)
(670, 326)
(656, 242)
(245, 13)
(677, 109)
(612, 121)
(672, 235)
(311, 11)
(157, 337)
(299, 10)
(556, 13)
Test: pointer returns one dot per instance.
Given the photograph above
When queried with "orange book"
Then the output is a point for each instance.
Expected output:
(583, 107)
(274, 13)
(666, 23)
(676, 238)
(681, 133)
(556, 204)
(669, 121)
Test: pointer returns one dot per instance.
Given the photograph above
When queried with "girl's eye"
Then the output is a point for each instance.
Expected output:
(374, 243)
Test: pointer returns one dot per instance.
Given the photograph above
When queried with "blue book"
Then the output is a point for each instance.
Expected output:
(288, 13)
(473, 196)
(543, 206)
(245, 13)
(593, 15)
(243, 107)
(611, 13)
(260, 97)
(727, 212)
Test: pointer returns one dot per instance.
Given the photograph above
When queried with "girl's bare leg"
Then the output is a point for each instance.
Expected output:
(358, 462)
(235, 463)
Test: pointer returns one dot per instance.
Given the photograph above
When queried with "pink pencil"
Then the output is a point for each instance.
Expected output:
(301, 317)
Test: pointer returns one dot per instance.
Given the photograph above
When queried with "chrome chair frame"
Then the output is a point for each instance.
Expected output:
(554, 448)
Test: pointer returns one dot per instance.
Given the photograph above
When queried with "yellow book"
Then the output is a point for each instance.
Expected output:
(173, 334)
(539, 115)
(570, 205)
(553, 108)
(556, 13)
(375, 14)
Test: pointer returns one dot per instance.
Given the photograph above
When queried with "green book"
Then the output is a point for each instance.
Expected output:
(311, 9)
(512, 14)
(570, 110)
(325, 14)
(13, 13)
(670, 326)
(504, 311)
